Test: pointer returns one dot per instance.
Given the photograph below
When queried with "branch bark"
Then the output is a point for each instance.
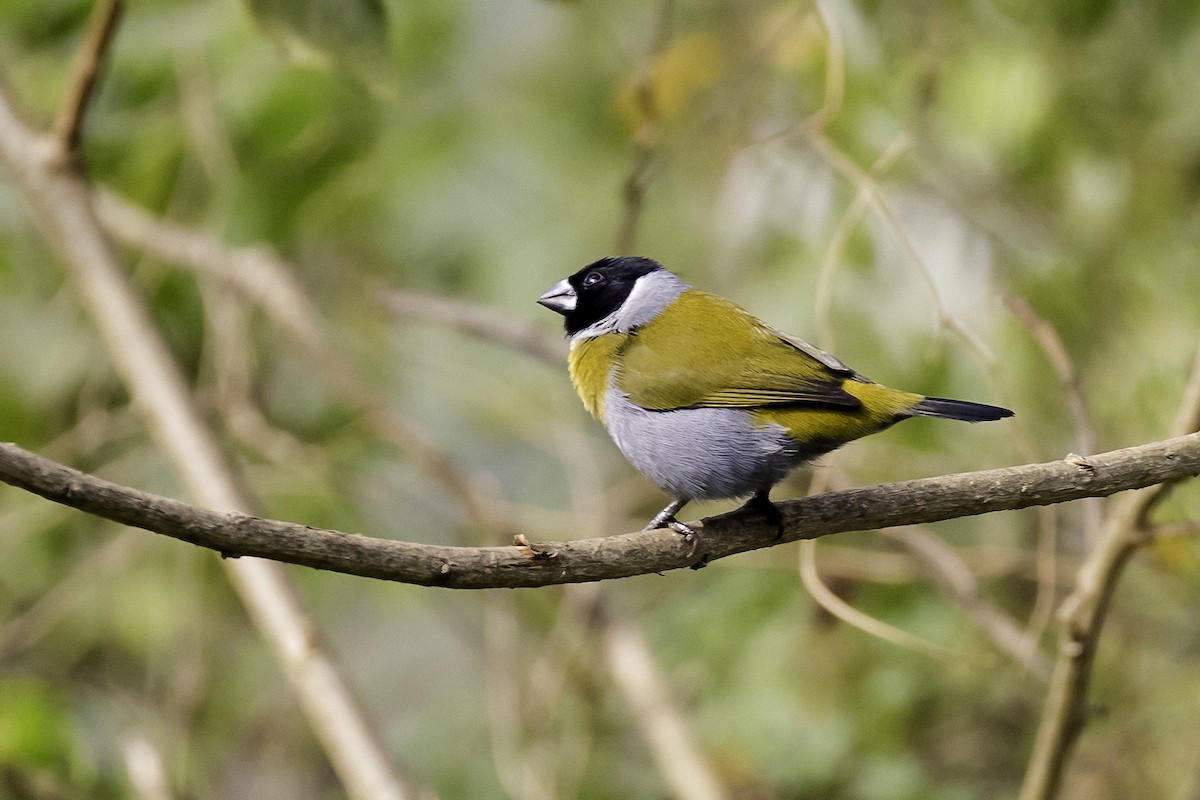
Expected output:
(1082, 617)
(85, 72)
(620, 556)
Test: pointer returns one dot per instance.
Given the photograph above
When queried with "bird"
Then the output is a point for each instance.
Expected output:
(706, 400)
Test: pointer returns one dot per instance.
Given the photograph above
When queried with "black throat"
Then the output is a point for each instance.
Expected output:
(602, 287)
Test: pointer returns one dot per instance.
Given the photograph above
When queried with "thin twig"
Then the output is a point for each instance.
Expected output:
(1187, 418)
(264, 278)
(226, 348)
(1056, 353)
(85, 72)
(948, 570)
(835, 69)
(835, 84)
(478, 321)
(25, 629)
(868, 193)
(686, 774)
(1051, 344)
(645, 138)
(1082, 617)
(626, 655)
(832, 260)
(910, 502)
(861, 179)
(825, 597)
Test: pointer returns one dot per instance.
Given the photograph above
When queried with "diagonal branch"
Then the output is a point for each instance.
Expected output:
(60, 202)
(478, 321)
(646, 137)
(910, 502)
(266, 279)
(85, 71)
(1082, 616)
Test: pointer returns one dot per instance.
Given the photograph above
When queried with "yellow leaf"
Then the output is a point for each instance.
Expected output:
(687, 67)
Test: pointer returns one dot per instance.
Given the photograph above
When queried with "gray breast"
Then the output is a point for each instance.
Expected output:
(701, 453)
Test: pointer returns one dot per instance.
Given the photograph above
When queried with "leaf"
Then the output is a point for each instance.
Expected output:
(690, 65)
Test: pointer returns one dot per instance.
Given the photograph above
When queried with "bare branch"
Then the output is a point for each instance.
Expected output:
(828, 600)
(831, 261)
(645, 138)
(658, 716)
(947, 569)
(1082, 617)
(85, 70)
(480, 322)
(687, 775)
(910, 502)
(1052, 346)
(263, 277)
(62, 208)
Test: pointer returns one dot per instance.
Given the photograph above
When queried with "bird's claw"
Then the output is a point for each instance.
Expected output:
(690, 536)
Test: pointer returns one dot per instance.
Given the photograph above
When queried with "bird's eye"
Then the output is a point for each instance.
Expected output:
(593, 278)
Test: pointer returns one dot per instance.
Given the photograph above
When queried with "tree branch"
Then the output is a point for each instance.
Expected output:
(85, 71)
(266, 279)
(1083, 613)
(62, 208)
(645, 138)
(478, 321)
(910, 502)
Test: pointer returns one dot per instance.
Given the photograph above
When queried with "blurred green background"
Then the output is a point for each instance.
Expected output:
(1048, 151)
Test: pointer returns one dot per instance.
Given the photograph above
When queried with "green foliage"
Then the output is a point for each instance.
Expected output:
(479, 150)
(353, 35)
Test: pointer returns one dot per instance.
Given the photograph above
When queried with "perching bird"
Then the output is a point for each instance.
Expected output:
(707, 401)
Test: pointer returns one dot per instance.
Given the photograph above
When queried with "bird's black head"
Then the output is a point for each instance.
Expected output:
(597, 290)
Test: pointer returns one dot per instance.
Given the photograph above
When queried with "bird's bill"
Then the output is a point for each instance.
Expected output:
(560, 297)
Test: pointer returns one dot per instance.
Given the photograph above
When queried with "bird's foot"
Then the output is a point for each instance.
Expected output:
(687, 532)
(761, 502)
(666, 519)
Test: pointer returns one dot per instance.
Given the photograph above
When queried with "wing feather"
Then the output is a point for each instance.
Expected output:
(705, 352)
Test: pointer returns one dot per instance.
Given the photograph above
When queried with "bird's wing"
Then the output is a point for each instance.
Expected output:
(705, 352)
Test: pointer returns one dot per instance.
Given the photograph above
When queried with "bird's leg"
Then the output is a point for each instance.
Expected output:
(666, 519)
(663, 518)
(761, 502)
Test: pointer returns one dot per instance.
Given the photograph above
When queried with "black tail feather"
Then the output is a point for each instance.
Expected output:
(958, 409)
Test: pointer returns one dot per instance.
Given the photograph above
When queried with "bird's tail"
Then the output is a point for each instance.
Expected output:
(958, 409)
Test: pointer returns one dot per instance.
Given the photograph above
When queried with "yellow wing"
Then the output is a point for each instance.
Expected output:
(705, 352)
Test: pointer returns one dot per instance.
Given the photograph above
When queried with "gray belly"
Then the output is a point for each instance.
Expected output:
(701, 453)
